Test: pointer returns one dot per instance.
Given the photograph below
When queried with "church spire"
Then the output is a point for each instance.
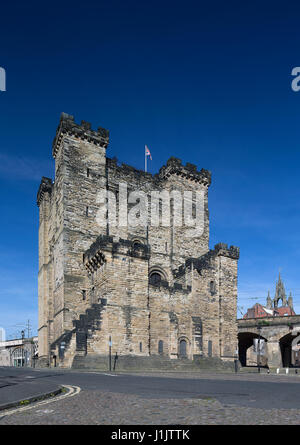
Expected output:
(279, 293)
(290, 301)
(269, 301)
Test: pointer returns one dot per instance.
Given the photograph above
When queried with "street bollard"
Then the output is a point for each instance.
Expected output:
(286, 370)
(277, 371)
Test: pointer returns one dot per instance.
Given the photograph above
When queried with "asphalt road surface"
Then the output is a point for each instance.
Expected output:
(255, 391)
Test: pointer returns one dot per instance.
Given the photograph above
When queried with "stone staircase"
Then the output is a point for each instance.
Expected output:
(75, 340)
(87, 323)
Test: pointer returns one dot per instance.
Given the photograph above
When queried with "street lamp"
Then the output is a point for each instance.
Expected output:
(23, 363)
(110, 345)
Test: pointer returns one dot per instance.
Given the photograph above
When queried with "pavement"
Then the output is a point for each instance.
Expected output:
(156, 398)
(17, 386)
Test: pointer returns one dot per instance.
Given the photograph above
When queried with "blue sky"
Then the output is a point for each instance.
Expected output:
(208, 82)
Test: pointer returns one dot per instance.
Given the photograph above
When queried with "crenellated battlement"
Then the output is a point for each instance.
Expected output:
(125, 170)
(205, 261)
(67, 126)
(93, 258)
(222, 249)
(45, 187)
(163, 286)
(189, 171)
(173, 166)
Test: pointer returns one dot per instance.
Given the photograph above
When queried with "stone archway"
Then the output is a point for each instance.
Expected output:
(246, 356)
(296, 352)
(288, 357)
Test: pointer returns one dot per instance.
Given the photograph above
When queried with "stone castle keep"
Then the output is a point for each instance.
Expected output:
(150, 291)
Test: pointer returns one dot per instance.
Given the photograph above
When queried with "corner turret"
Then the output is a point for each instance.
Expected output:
(189, 171)
(83, 131)
(45, 187)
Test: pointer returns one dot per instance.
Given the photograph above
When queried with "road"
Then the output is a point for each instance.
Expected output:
(164, 398)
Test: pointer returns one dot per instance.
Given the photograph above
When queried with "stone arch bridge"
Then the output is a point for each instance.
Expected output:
(282, 341)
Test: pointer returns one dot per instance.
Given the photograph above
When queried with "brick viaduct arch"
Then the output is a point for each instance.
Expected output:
(282, 340)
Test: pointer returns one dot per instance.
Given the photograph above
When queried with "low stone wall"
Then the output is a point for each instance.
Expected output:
(151, 363)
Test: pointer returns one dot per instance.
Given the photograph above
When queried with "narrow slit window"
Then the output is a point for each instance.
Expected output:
(212, 287)
(160, 347)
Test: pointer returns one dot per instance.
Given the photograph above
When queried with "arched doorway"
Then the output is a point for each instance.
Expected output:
(289, 348)
(183, 348)
(247, 357)
(296, 352)
(18, 357)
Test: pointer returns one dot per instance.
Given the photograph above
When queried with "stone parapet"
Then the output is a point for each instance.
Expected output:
(175, 167)
(177, 287)
(269, 321)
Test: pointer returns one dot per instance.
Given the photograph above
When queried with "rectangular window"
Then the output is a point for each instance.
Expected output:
(87, 211)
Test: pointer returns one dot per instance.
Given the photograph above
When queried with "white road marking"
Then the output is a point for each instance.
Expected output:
(111, 375)
(73, 391)
(42, 412)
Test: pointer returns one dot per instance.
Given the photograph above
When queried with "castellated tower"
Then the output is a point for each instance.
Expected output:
(153, 291)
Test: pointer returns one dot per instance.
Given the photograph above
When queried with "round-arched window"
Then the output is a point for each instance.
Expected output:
(18, 357)
(155, 278)
(136, 243)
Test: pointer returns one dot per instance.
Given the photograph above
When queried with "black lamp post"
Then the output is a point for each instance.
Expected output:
(110, 344)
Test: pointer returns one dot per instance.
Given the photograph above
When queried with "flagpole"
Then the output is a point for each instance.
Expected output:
(145, 160)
